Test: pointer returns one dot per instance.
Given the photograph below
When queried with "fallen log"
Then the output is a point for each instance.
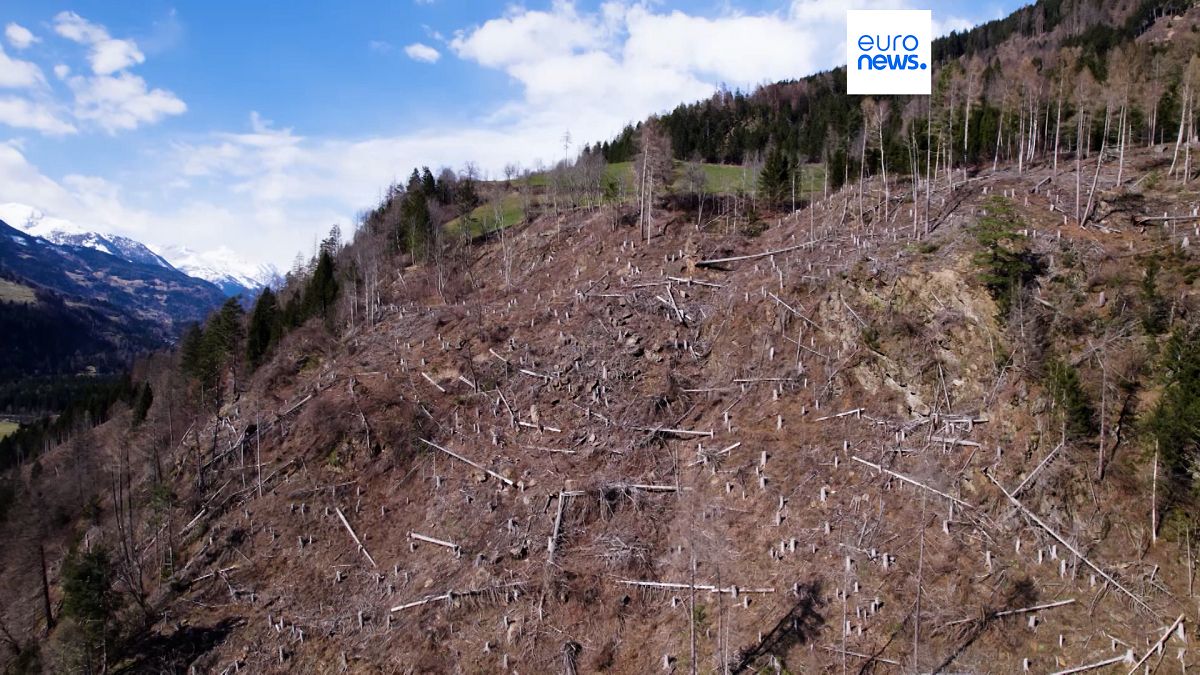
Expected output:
(732, 590)
(460, 458)
(908, 480)
(752, 256)
(355, 537)
(1032, 516)
(1023, 610)
(1127, 656)
(677, 432)
(451, 595)
(434, 540)
(1157, 645)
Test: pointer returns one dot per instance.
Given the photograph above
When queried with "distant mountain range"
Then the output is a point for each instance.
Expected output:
(89, 304)
(76, 301)
(152, 292)
(222, 267)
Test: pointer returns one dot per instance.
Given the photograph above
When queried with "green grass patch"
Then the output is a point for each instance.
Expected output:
(724, 179)
(484, 219)
(8, 428)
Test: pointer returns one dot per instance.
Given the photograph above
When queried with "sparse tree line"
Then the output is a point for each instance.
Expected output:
(230, 344)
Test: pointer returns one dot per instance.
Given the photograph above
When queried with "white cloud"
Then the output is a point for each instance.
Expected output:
(527, 36)
(379, 46)
(122, 101)
(108, 54)
(735, 49)
(19, 36)
(111, 97)
(18, 74)
(945, 25)
(22, 113)
(422, 52)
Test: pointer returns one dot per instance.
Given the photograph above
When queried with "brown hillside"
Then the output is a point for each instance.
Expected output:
(823, 434)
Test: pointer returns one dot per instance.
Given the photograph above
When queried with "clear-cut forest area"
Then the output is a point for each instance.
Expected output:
(782, 381)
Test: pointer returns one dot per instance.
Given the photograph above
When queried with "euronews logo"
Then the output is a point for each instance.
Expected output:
(887, 51)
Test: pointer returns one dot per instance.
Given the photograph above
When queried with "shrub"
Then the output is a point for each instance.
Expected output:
(1069, 396)
(1154, 310)
(1005, 263)
(90, 601)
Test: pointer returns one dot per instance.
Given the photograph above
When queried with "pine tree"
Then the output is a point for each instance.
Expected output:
(221, 343)
(428, 183)
(322, 288)
(774, 181)
(142, 403)
(1005, 262)
(190, 350)
(90, 600)
(417, 224)
(264, 328)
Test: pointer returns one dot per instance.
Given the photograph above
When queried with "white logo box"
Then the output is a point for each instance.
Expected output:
(888, 51)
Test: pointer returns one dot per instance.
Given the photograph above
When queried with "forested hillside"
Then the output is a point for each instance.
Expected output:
(1056, 74)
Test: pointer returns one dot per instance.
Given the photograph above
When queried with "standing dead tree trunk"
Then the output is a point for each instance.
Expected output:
(46, 606)
(1087, 212)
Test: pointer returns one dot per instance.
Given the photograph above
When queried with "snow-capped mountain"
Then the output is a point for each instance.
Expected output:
(66, 233)
(223, 267)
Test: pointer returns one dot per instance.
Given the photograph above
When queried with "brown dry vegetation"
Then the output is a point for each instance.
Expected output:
(594, 373)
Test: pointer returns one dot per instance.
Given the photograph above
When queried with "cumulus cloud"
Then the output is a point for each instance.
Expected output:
(18, 74)
(122, 101)
(22, 113)
(108, 54)
(418, 51)
(110, 97)
(19, 36)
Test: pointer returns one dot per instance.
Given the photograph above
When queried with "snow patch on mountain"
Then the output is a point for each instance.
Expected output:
(222, 267)
(231, 273)
(66, 233)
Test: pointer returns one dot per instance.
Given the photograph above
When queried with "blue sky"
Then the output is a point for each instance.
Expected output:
(255, 126)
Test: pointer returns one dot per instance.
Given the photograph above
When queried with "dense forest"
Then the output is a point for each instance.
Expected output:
(1056, 73)
(53, 335)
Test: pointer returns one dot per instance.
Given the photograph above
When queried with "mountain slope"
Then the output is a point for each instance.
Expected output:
(221, 267)
(940, 419)
(48, 334)
(812, 422)
(153, 293)
(65, 233)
